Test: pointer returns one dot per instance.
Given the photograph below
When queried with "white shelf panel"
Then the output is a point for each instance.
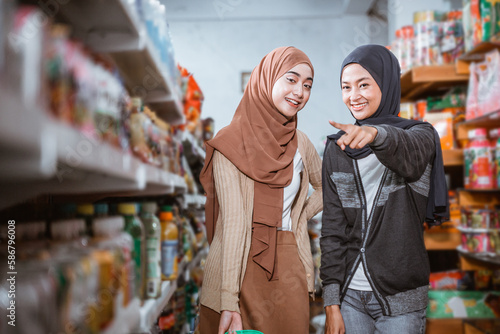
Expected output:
(151, 309)
(58, 159)
(196, 201)
(125, 318)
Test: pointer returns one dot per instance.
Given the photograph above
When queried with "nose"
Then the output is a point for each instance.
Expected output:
(355, 94)
(298, 90)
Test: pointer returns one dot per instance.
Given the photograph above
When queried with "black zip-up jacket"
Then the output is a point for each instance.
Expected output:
(388, 241)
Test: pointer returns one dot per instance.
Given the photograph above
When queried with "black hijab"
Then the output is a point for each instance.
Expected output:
(384, 68)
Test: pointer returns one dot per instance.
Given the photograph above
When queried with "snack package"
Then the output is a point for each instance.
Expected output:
(490, 10)
(443, 123)
(448, 280)
(452, 41)
(475, 242)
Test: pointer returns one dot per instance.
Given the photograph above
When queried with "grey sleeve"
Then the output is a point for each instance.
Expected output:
(405, 152)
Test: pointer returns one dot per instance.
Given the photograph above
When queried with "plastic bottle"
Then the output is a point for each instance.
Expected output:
(86, 212)
(169, 246)
(178, 223)
(123, 245)
(481, 174)
(152, 229)
(134, 227)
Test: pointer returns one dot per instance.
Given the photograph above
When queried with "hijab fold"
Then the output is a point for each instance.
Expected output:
(384, 68)
(261, 143)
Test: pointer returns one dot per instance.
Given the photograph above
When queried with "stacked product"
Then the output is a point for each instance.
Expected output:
(464, 294)
(83, 89)
(481, 22)
(484, 80)
(443, 112)
(480, 229)
(84, 265)
(434, 38)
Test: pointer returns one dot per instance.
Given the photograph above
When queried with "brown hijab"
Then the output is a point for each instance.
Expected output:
(261, 143)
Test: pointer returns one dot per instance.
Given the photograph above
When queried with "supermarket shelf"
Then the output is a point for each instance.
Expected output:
(488, 121)
(151, 309)
(196, 201)
(125, 318)
(57, 159)
(454, 157)
(442, 240)
(473, 197)
(113, 26)
(477, 261)
(477, 53)
(440, 326)
(481, 326)
(195, 148)
(425, 80)
(105, 26)
(146, 76)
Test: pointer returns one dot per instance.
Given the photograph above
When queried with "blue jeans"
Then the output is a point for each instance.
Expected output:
(362, 314)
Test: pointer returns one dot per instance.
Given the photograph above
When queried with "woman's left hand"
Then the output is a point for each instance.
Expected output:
(355, 136)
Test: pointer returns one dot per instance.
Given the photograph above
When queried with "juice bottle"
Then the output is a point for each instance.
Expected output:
(169, 245)
(133, 226)
(481, 168)
(152, 228)
(178, 223)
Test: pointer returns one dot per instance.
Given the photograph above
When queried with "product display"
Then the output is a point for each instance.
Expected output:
(152, 231)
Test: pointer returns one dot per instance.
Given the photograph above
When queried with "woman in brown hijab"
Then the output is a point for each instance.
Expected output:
(259, 270)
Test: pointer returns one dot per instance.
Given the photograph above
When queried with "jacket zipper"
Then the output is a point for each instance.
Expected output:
(362, 256)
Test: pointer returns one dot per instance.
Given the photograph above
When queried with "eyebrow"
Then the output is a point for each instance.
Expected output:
(361, 79)
(297, 74)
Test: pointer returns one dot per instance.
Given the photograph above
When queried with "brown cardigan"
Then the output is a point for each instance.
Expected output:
(226, 262)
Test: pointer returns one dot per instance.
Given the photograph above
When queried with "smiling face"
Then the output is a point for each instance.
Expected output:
(291, 92)
(360, 92)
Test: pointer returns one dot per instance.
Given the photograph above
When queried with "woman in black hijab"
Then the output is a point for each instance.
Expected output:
(382, 178)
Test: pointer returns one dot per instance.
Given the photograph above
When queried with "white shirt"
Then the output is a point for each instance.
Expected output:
(291, 191)
(371, 171)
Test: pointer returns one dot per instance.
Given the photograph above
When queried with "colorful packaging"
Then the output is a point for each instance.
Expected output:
(463, 304)
(478, 218)
(448, 280)
(479, 155)
(443, 123)
(475, 242)
(452, 41)
(490, 10)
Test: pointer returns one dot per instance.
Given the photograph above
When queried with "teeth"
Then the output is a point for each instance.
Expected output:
(358, 105)
(293, 101)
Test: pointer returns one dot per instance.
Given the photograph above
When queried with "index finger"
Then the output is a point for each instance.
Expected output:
(339, 126)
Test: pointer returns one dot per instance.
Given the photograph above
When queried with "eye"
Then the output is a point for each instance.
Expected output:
(345, 87)
(308, 86)
(292, 80)
(363, 85)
